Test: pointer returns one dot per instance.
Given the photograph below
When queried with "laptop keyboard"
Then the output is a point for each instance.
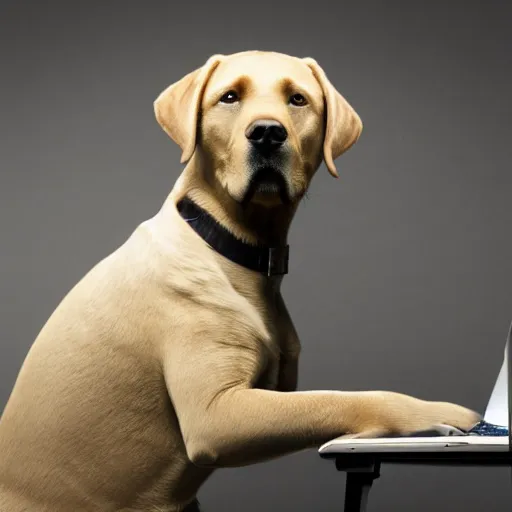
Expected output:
(482, 428)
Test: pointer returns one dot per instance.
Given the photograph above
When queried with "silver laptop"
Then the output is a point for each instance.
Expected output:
(492, 434)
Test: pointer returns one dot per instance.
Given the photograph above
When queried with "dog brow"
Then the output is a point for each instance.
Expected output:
(242, 83)
(287, 83)
(288, 86)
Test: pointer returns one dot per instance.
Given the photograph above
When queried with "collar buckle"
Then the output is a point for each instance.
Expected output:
(278, 261)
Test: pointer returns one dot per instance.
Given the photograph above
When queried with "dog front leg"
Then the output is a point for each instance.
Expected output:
(225, 422)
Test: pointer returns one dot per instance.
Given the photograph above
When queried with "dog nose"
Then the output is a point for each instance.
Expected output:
(266, 133)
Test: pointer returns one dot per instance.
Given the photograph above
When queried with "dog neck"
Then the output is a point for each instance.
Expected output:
(254, 225)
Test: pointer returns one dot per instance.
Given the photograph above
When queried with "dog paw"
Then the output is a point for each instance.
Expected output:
(395, 414)
(454, 415)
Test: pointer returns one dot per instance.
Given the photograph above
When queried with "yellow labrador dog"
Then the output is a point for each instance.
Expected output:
(175, 355)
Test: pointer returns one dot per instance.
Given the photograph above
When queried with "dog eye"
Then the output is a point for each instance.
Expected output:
(298, 100)
(229, 97)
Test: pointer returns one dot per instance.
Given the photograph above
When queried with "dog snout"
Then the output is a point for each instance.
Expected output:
(266, 134)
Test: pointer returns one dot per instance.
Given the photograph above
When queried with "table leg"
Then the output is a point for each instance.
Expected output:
(359, 482)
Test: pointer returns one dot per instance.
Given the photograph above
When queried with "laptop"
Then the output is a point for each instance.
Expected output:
(492, 434)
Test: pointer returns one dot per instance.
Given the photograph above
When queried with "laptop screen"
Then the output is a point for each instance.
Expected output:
(499, 408)
(508, 357)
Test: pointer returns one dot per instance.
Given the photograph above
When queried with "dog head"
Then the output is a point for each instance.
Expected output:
(263, 120)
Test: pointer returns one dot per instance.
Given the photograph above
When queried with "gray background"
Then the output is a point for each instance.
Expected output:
(400, 271)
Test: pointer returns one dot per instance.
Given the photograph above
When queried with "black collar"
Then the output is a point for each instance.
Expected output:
(270, 261)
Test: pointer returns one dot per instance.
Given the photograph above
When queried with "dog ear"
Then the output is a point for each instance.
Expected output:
(177, 107)
(343, 125)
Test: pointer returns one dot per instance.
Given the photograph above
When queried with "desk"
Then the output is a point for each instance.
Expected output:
(363, 468)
